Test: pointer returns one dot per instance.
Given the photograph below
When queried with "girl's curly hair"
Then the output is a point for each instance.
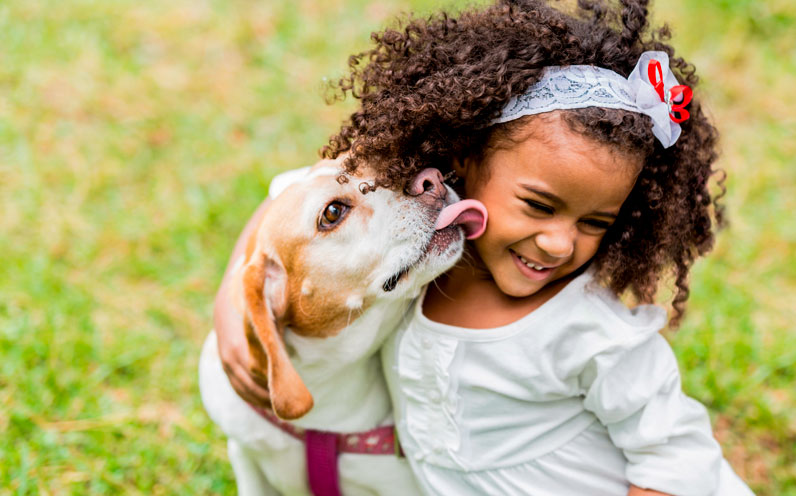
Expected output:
(429, 88)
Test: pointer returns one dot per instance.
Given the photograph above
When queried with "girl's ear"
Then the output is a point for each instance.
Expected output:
(467, 167)
(460, 166)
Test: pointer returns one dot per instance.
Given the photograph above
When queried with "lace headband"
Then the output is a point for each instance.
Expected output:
(651, 89)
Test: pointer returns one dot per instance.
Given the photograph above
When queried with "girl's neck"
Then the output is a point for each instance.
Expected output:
(467, 296)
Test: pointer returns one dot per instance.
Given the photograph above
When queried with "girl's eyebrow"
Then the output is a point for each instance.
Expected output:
(561, 203)
(550, 196)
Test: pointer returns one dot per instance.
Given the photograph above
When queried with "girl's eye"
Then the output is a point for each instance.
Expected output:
(332, 215)
(540, 207)
(594, 226)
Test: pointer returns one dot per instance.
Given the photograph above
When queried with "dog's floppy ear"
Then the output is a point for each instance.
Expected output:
(290, 398)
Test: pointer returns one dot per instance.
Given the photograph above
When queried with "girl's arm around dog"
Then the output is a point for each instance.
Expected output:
(232, 346)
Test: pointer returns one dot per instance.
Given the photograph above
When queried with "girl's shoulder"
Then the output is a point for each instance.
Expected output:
(593, 317)
(587, 324)
(607, 309)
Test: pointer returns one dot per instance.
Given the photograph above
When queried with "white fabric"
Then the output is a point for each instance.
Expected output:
(581, 396)
(581, 86)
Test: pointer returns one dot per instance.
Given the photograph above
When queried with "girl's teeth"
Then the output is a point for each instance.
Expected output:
(529, 264)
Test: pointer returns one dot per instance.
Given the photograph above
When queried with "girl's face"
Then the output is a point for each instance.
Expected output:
(550, 197)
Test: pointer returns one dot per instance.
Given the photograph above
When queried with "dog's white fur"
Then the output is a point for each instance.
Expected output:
(336, 315)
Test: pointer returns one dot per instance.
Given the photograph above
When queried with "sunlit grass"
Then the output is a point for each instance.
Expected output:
(137, 137)
(737, 346)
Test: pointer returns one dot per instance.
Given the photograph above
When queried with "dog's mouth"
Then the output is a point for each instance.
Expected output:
(394, 279)
(390, 283)
(470, 215)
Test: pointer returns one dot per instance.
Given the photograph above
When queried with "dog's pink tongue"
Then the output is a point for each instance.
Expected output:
(470, 214)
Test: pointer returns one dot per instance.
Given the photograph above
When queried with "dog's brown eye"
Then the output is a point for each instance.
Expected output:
(332, 214)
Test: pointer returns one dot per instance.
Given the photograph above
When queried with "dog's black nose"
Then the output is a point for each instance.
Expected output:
(428, 185)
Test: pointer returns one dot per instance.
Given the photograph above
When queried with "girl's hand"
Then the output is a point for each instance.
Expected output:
(637, 491)
(233, 349)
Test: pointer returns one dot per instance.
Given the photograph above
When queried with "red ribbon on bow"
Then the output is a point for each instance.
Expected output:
(679, 96)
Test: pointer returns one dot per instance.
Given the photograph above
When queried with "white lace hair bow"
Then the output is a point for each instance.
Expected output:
(650, 89)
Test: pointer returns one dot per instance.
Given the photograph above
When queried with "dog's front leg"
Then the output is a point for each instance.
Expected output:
(250, 479)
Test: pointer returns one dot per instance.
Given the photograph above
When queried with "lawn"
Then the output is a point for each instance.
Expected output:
(136, 137)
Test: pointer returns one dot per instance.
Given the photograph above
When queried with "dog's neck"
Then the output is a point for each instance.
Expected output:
(339, 368)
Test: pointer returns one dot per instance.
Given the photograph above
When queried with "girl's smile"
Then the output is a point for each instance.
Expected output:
(531, 270)
(551, 195)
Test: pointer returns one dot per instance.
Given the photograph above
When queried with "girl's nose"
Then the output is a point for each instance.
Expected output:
(558, 241)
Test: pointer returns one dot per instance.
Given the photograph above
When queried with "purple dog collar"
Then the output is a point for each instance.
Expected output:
(322, 448)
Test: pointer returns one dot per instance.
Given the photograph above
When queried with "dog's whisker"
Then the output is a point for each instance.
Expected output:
(467, 260)
(436, 284)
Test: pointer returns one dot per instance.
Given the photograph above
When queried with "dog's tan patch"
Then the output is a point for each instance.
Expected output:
(316, 277)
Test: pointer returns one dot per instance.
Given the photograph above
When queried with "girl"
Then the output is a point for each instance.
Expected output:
(520, 371)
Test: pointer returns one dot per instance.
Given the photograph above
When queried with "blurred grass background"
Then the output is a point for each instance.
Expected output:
(136, 137)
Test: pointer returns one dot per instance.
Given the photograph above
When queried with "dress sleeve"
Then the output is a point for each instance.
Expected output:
(665, 435)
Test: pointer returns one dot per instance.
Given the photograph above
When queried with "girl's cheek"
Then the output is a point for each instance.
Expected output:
(590, 247)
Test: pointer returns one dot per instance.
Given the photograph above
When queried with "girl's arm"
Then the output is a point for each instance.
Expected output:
(664, 434)
(232, 346)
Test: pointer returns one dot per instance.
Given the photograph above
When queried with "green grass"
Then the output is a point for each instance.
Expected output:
(137, 137)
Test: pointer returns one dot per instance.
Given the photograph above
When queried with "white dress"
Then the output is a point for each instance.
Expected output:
(580, 397)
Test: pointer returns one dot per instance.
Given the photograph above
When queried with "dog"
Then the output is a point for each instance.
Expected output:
(328, 274)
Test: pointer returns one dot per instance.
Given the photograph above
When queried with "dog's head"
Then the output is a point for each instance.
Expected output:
(325, 251)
